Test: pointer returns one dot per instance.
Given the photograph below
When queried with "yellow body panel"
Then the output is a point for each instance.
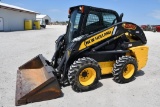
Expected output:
(106, 67)
(96, 38)
(28, 24)
(141, 55)
(37, 24)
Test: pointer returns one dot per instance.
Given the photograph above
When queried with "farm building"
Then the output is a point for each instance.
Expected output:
(12, 17)
(44, 19)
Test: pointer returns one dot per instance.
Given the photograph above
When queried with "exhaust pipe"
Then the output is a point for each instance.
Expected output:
(36, 82)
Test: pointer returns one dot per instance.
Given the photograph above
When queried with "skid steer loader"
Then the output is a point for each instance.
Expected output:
(96, 43)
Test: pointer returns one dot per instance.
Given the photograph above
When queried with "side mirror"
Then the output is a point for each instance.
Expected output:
(120, 17)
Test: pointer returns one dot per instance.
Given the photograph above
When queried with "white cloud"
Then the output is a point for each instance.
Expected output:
(156, 14)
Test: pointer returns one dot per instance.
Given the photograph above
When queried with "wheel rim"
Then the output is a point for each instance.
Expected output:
(128, 71)
(87, 76)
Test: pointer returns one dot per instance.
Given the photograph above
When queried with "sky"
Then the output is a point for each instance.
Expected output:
(136, 11)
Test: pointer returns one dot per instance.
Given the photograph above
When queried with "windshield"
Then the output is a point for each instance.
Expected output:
(73, 25)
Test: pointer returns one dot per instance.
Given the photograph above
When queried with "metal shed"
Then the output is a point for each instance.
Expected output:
(12, 17)
(44, 19)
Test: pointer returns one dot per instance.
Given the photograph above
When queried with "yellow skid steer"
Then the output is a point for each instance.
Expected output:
(97, 42)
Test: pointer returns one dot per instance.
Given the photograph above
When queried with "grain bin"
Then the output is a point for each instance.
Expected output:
(28, 24)
(37, 24)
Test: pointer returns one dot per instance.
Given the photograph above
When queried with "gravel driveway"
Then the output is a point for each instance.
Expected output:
(18, 47)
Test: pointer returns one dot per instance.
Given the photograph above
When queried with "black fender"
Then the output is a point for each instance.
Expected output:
(132, 28)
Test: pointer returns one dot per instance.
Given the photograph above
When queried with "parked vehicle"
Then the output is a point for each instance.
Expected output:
(157, 27)
(148, 28)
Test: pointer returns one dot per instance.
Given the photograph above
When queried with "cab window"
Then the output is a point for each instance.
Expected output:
(93, 22)
(97, 21)
(109, 19)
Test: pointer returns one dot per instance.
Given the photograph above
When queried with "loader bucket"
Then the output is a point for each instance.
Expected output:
(36, 82)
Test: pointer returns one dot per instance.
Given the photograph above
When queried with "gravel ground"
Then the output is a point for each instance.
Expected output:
(18, 47)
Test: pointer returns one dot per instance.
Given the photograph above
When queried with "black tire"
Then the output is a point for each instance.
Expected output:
(122, 66)
(43, 26)
(79, 67)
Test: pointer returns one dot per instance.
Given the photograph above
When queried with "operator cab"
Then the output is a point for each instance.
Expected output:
(87, 20)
